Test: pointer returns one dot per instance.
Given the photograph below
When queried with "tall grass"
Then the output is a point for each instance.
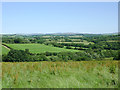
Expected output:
(84, 74)
(0, 75)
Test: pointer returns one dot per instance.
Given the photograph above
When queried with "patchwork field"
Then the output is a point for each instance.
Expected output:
(84, 74)
(85, 42)
(38, 48)
(76, 36)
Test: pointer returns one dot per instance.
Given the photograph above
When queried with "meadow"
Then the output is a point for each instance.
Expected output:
(78, 41)
(85, 43)
(38, 48)
(4, 50)
(92, 74)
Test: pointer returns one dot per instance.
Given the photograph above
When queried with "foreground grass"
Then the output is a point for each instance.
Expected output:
(84, 74)
(38, 48)
(0, 75)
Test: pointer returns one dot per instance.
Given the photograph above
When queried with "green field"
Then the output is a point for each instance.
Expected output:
(4, 50)
(84, 42)
(38, 48)
(84, 74)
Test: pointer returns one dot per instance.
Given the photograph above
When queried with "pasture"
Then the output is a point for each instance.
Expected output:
(84, 74)
(4, 50)
(84, 42)
(38, 48)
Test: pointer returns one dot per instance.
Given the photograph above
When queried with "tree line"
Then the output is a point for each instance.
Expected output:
(26, 56)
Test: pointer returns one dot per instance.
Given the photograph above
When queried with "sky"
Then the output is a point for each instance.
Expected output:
(59, 17)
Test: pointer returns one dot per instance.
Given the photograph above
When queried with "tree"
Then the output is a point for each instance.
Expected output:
(117, 56)
(27, 51)
(68, 47)
(18, 40)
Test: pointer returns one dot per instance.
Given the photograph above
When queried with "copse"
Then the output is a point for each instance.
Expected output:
(16, 56)
(18, 40)
(23, 56)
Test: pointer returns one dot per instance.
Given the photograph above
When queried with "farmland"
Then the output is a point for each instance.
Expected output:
(93, 74)
(4, 50)
(60, 61)
(38, 48)
(86, 43)
(61, 44)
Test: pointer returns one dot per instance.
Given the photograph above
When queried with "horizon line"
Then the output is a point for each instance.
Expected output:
(64, 33)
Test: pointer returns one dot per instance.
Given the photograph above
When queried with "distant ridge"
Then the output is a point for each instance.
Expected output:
(67, 33)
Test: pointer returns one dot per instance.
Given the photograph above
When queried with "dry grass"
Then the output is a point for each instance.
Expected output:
(60, 74)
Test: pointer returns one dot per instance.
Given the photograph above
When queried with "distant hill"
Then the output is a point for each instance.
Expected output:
(58, 34)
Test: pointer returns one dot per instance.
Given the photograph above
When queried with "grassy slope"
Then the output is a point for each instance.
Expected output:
(84, 74)
(38, 48)
(4, 50)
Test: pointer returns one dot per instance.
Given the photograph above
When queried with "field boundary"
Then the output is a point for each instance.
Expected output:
(7, 47)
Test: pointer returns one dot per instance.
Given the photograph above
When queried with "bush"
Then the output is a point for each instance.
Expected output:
(68, 47)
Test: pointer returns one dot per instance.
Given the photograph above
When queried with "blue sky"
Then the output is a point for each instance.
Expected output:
(56, 17)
